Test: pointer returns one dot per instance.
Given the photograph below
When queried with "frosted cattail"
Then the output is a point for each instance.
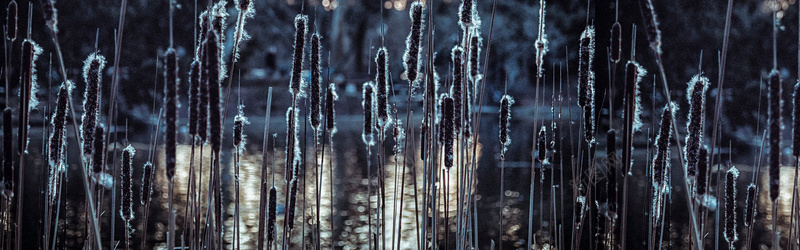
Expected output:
(219, 19)
(696, 96)
(457, 89)
(663, 139)
(301, 27)
(292, 146)
(369, 109)
(616, 42)
(330, 111)
(194, 96)
(202, 22)
(541, 41)
(245, 6)
(98, 154)
(171, 103)
(633, 77)
(730, 205)
(588, 118)
(774, 133)
(651, 25)
(93, 76)
(505, 126)
(382, 87)
(465, 13)
(702, 172)
(147, 182)
(50, 14)
(316, 83)
(214, 78)
(541, 145)
(796, 120)
(246, 10)
(611, 176)
(127, 174)
(28, 89)
(475, 44)
(58, 137)
(585, 72)
(239, 138)
(8, 160)
(272, 215)
(448, 130)
(413, 44)
(292, 203)
(11, 20)
(750, 206)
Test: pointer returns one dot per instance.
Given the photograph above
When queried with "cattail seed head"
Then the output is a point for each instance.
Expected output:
(651, 24)
(246, 10)
(457, 89)
(99, 153)
(696, 95)
(194, 96)
(730, 205)
(616, 42)
(505, 123)
(541, 41)
(301, 27)
(475, 44)
(541, 145)
(448, 130)
(171, 103)
(214, 78)
(316, 83)
(661, 160)
(28, 89)
(219, 20)
(750, 206)
(413, 44)
(585, 72)
(147, 182)
(8, 160)
(58, 136)
(127, 173)
(465, 14)
(11, 20)
(292, 145)
(588, 119)
(702, 172)
(774, 133)
(796, 120)
(93, 76)
(369, 109)
(633, 77)
(239, 138)
(382, 86)
(330, 111)
(272, 215)
(292, 203)
(50, 14)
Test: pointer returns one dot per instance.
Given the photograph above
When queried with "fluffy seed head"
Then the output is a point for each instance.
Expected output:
(661, 160)
(382, 87)
(171, 103)
(651, 24)
(457, 89)
(448, 130)
(774, 133)
(301, 27)
(585, 72)
(505, 126)
(93, 76)
(616, 42)
(750, 206)
(292, 203)
(11, 20)
(702, 171)
(413, 44)
(292, 146)
(30, 53)
(127, 173)
(147, 182)
(58, 137)
(316, 83)
(98, 155)
(633, 77)
(239, 138)
(194, 96)
(465, 14)
(330, 108)
(214, 78)
(50, 14)
(369, 109)
(696, 95)
(730, 205)
(541, 41)
(272, 215)
(475, 44)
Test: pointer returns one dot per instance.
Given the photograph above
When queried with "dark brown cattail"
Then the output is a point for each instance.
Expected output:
(541, 145)
(457, 89)
(272, 215)
(382, 88)
(541, 41)
(50, 14)
(316, 83)
(127, 173)
(194, 96)
(448, 130)
(796, 120)
(330, 111)
(93, 76)
(214, 78)
(246, 10)
(147, 182)
(696, 96)
(28, 89)
(730, 205)
(8, 160)
(616, 42)
(663, 139)
(98, 155)
(369, 109)
(292, 145)
(202, 23)
(505, 126)
(750, 206)
(475, 44)
(633, 76)
(774, 133)
(292, 203)
(219, 20)
(702, 172)
(585, 72)
(11, 20)
(171, 103)
(239, 138)
(611, 151)
(651, 24)
(245, 6)
(465, 14)
(413, 44)
(59, 136)
(301, 27)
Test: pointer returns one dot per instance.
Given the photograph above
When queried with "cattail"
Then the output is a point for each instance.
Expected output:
(796, 120)
(413, 44)
(475, 44)
(448, 130)
(651, 25)
(457, 89)
(272, 215)
(8, 160)
(28, 89)
(214, 78)
(702, 172)
(92, 75)
(202, 22)
(696, 95)
(239, 138)
(246, 10)
(616, 42)
(369, 108)
(316, 83)
(541, 41)
(330, 111)
(50, 14)
(127, 173)
(382, 86)
(611, 151)
(730, 205)
(505, 126)
(194, 96)
(661, 160)
(11, 20)
(59, 137)
(292, 145)
(774, 133)
(171, 102)
(585, 72)
(98, 155)
(541, 145)
(634, 73)
(465, 14)
(147, 182)
(301, 27)
(292, 203)
(220, 17)
(750, 206)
